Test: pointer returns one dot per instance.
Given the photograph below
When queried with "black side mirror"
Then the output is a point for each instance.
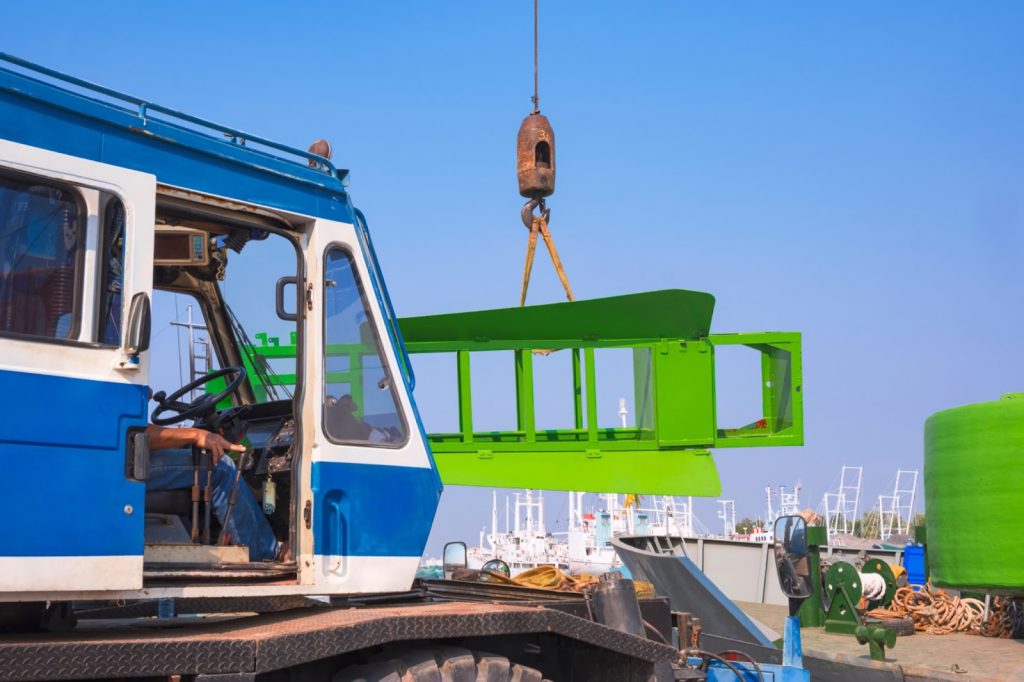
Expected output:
(279, 299)
(140, 324)
(455, 556)
(791, 557)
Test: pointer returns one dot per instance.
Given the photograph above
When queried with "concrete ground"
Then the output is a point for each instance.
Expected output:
(920, 656)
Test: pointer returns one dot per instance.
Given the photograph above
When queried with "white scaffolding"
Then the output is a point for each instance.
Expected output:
(728, 516)
(896, 511)
(789, 502)
(534, 512)
(200, 358)
(841, 506)
(676, 517)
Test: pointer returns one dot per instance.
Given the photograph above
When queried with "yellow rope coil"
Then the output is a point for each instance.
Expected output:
(552, 578)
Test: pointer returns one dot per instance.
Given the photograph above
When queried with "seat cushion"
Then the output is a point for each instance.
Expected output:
(169, 502)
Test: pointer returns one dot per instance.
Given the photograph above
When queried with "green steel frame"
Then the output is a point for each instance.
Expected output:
(666, 453)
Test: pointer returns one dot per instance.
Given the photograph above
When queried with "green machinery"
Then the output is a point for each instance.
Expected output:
(666, 452)
(832, 600)
(844, 589)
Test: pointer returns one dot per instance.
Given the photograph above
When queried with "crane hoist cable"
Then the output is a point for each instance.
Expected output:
(536, 171)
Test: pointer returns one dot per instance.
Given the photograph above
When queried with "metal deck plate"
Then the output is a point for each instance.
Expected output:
(263, 643)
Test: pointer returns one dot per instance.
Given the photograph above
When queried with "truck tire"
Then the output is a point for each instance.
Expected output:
(440, 664)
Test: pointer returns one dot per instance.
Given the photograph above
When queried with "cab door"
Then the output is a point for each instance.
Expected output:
(75, 251)
(373, 485)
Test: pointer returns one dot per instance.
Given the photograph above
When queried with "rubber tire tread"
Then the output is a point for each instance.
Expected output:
(902, 626)
(441, 664)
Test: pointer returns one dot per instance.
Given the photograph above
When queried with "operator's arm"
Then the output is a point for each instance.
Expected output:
(161, 438)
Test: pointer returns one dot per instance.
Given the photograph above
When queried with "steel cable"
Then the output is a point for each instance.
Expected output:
(536, 70)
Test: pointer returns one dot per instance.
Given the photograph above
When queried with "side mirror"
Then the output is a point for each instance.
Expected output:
(791, 556)
(279, 302)
(497, 566)
(140, 324)
(454, 557)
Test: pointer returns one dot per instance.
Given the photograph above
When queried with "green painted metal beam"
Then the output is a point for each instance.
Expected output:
(668, 314)
(674, 402)
(654, 472)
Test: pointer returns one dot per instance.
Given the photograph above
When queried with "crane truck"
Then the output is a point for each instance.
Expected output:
(107, 202)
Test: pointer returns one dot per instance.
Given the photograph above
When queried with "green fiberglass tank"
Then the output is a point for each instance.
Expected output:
(974, 495)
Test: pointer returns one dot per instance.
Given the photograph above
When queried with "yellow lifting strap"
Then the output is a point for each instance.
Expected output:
(540, 224)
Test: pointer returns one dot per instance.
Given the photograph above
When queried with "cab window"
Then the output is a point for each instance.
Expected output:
(111, 273)
(360, 404)
(41, 245)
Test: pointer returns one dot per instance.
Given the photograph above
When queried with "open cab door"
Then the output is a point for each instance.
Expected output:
(75, 257)
(372, 483)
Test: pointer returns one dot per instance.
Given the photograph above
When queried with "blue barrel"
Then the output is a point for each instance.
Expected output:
(913, 561)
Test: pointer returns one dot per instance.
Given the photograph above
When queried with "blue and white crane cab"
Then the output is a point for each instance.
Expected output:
(108, 202)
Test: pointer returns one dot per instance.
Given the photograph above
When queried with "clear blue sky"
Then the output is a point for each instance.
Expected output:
(853, 171)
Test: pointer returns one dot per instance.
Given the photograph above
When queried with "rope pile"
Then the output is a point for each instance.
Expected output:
(934, 611)
(552, 578)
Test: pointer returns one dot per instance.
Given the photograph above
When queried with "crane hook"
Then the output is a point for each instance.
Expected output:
(528, 208)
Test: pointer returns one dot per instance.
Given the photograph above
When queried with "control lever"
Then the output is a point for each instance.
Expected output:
(207, 460)
(196, 456)
(243, 464)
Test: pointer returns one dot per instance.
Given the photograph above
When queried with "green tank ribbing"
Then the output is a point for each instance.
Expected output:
(974, 495)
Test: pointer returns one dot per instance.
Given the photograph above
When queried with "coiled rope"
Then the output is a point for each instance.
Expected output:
(872, 586)
(934, 611)
(552, 578)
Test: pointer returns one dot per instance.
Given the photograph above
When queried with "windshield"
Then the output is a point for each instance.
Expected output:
(183, 343)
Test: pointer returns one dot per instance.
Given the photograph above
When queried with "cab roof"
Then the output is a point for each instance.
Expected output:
(51, 110)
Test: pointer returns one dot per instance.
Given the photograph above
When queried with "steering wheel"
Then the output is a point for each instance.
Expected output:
(203, 406)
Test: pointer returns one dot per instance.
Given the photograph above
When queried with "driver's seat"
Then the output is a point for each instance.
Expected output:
(165, 514)
(175, 502)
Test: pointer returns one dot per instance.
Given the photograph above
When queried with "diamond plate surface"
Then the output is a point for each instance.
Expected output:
(81, 660)
(276, 641)
(148, 607)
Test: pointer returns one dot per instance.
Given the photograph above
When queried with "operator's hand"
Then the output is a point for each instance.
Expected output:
(216, 444)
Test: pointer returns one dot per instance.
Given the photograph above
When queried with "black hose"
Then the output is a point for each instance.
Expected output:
(727, 664)
(657, 634)
(734, 652)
